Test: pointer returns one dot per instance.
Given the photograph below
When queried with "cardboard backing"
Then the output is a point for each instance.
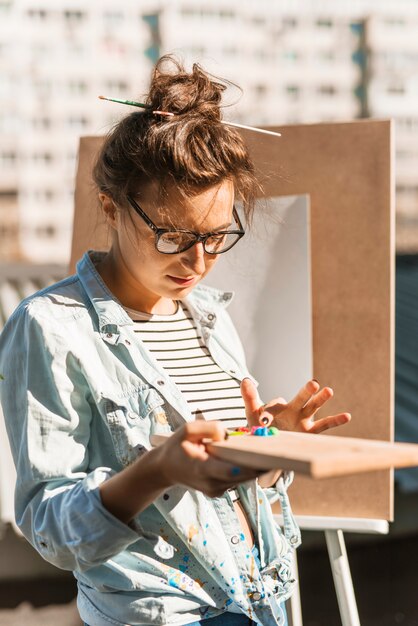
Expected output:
(346, 169)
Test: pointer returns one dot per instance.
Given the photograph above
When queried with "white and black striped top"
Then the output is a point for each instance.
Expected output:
(173, 340)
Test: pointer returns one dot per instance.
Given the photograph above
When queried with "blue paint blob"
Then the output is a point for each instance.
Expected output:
(183, 568)
(205, 542)
(262, 431)
(242, 536)
(222, 564)
(186, 557)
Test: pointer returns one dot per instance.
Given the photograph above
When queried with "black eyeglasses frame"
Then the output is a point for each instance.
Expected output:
(198, 237)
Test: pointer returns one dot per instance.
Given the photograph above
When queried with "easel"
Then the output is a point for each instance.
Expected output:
(334, 528)
(322, 161)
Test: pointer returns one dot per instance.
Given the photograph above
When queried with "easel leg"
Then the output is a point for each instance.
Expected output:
(293, 605)
(342, 578)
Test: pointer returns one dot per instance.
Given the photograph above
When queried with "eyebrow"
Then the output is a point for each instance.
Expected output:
(213, 230)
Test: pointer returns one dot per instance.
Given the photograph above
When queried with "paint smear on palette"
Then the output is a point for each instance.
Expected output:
(192, 532)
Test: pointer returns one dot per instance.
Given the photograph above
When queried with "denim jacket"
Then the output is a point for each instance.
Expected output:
(81, 396)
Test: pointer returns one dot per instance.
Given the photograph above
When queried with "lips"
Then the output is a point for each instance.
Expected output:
(184, 282)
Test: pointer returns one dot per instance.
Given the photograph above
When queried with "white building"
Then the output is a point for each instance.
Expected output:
(64, 55)
(296, 60)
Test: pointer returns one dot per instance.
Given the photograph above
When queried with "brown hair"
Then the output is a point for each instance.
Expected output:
(193, 148)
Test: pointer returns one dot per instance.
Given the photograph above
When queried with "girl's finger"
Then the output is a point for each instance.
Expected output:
(317, 401)
(305, 394)
(199, 430)
(325, 423)
(251, 399)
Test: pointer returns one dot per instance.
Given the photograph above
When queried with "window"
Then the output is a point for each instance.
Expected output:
(197, 51)
(37, 14)
(5, 7)
(188, 12)
(258, 20)
(230, 51)
(113, 17)
(43, 196)
(45, 232)
(293, 91)
(40, 50)
(327, 90)
(407, 190)
(43, 86)
(395, 22)
(43, 158)
(77, 87)
(74, 16)
(8, 157)
(41, 123)
(289, 22)
(324, 23)
(326, 55)
(8, 194)
(77, 122)
(226, 15)
(408, 123)
(291, 55)
(260, 90)
(116, 86)
(396, 90)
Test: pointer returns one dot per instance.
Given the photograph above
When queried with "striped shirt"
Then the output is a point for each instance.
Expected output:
(174, 342)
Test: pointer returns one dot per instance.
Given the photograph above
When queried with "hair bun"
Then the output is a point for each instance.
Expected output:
(176, 91)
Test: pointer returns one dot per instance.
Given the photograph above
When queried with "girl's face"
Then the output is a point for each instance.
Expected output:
(143, 278)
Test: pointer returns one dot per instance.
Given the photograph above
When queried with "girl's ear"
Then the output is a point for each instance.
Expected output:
(109, 209)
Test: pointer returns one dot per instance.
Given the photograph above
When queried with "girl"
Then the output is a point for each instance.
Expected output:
(131, 346)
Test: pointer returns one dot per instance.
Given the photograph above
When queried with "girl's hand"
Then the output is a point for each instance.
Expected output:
(183, 459)
(297, 415)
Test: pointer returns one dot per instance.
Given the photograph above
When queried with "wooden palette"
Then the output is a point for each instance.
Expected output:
(317, 456)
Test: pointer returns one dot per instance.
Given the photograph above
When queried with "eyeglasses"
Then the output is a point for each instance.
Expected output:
(175, 241)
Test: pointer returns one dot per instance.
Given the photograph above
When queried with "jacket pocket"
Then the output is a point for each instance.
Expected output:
(131, 421)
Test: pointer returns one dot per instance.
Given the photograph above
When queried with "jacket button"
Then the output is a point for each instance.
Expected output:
(161, 382)
(109, 335)
(235, 539)
(132, 415)
(256, 596)
(294, 539)
(211, 316)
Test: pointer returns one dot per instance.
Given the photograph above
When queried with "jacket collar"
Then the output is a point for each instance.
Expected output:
(203, 300)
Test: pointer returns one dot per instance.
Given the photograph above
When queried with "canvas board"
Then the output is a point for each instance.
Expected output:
(269, 272)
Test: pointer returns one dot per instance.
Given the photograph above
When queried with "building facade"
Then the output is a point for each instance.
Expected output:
(299, 61)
